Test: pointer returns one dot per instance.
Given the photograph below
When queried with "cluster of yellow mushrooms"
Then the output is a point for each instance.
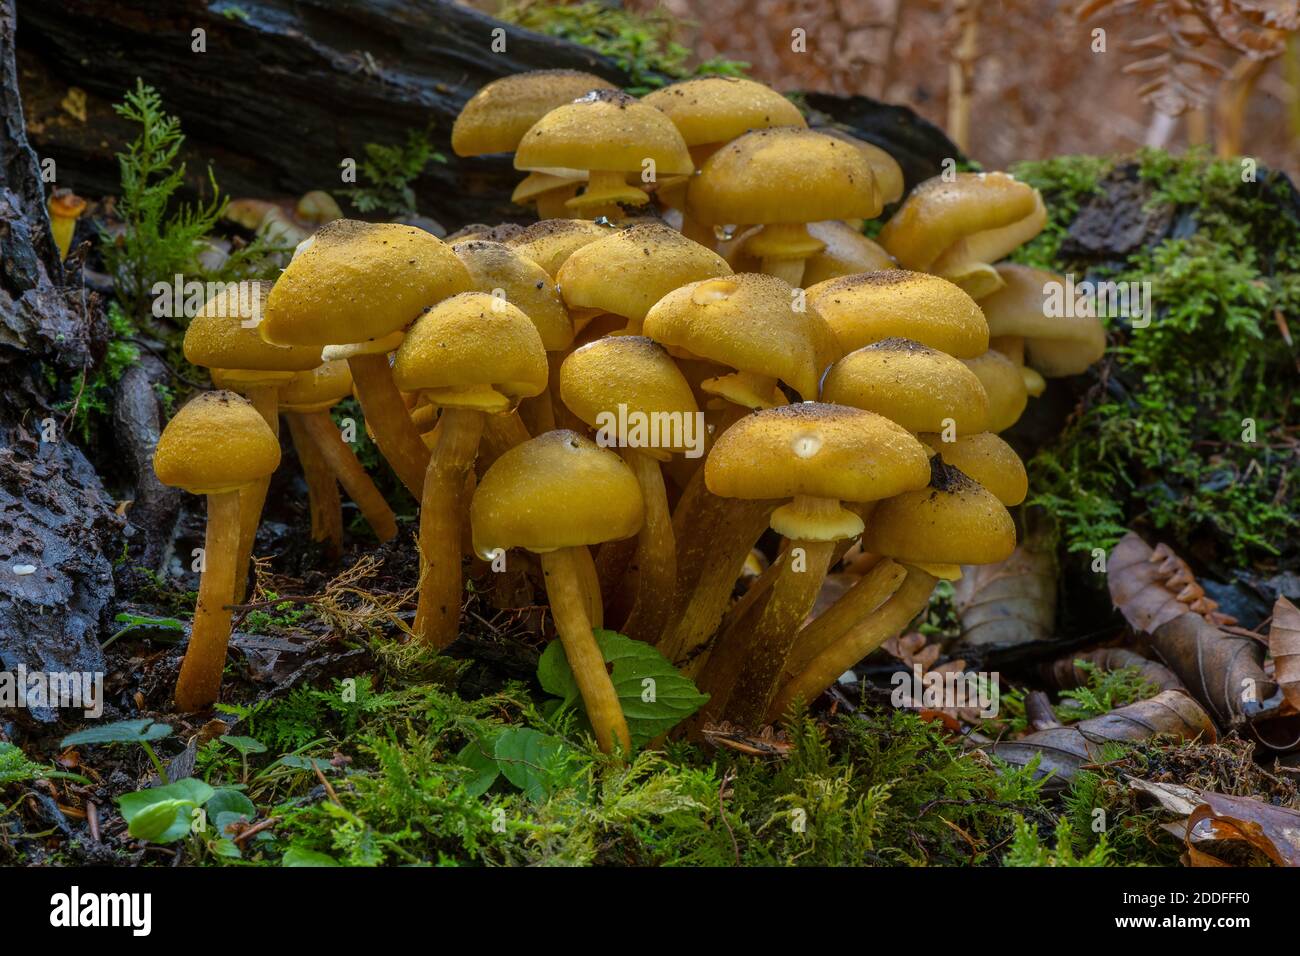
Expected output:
(699, 259)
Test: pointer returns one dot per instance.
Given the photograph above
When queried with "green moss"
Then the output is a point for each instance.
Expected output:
(1165, 439)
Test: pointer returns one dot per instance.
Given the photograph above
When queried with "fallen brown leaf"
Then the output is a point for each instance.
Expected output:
(1012, 602)
(1153, 585)
(1274, 831)
(1284, 645)
(1223, 671)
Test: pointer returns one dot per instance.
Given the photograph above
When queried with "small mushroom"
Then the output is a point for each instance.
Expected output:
(1004, 385)
(556, 495)
(474, 355)
(1051, 346)
(816, 456)
(65, 208)
(550, 242)
(354, 289)
(215, 445)
(989, 460)
(609, 135)
(783, 179)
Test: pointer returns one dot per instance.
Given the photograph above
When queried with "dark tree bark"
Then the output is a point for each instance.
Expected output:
(55, 520)
(289, 88)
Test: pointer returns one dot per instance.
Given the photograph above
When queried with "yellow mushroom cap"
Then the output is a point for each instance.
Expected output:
(628, 271)
(558, 490)
(847, 252)
(954, 520)
(748, 322)
(216, 443)
(225, 335)
(498, 115)
(493, 266)
(889, 175)
(989, 460)
(783, 175)
(814, 450)
(1055, 345)
(1005, 387)
(473, 350)
(918, 387)
(717, 109)
(318, 389)
(356, 281)
(550, 242)
(638, 374)
(866, 308)
(604, 130)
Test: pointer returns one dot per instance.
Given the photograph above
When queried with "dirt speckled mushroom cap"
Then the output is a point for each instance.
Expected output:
(783, 175)
(550, 242)
(321, 388)
(748, 322)
(1055, 345)
(989, 460)
(632, 371)
(604, 130)
(911, 384)
(955, 520)
(498, 115)
(815, 450)
(224, 334)
(359, 281)
(216, 443)
(1004, 385)
(872, 306)
(473, 350)
(889, 175)
(627, 272)
(558, 490)
(717, 109)
(493, 265)
(847, 252)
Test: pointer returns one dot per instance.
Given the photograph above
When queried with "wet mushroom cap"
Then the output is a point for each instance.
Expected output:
(550, 242)
(630, 371)
(848, 252)
(749, 322)
(557, 490)
(889, 175)
(471, 340)
(604, 130)
(628, 271)
(317, 390)
(494, 265)
(1004, 385)
(872, 306)
(989, 460)
(358, 281)
(225, 335)
(818, 450)
(717, 109)
(916, 386)
(783, 175)
(496, 117)
(954, 520)
(216, 443)
(1055, 345)
(939, 213)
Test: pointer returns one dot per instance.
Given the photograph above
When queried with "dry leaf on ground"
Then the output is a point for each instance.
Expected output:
(1012, 602)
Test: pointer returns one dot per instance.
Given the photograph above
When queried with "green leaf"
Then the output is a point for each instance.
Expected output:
(226, 800)
(534, 762)
(162, 822)
(15, 767)
(123, 732)
(479, 755)
(245, 745)
(298, 856)
(194, 791)
(654, 696)
(226, 848)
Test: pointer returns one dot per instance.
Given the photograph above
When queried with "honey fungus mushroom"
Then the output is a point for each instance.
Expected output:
(609, 135)
(352, 288)
(554, 495)
(1051, 346)
(216, 445)
(473, 355)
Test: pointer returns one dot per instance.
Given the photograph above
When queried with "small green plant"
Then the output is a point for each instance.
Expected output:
(143, 732)
(1103, 692)
(1028, 849)
(388, 172)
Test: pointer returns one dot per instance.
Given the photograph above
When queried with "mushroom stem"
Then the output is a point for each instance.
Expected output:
(500, 434)
(656, 559)
(857, 642)
(390, 422)
(322, 489)
(590, 585)
(442, 510)
(568, 607)
(252, 497)
(759, 667)
(205, 658)
(791, 270)
(342, 461)
(867, 594)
